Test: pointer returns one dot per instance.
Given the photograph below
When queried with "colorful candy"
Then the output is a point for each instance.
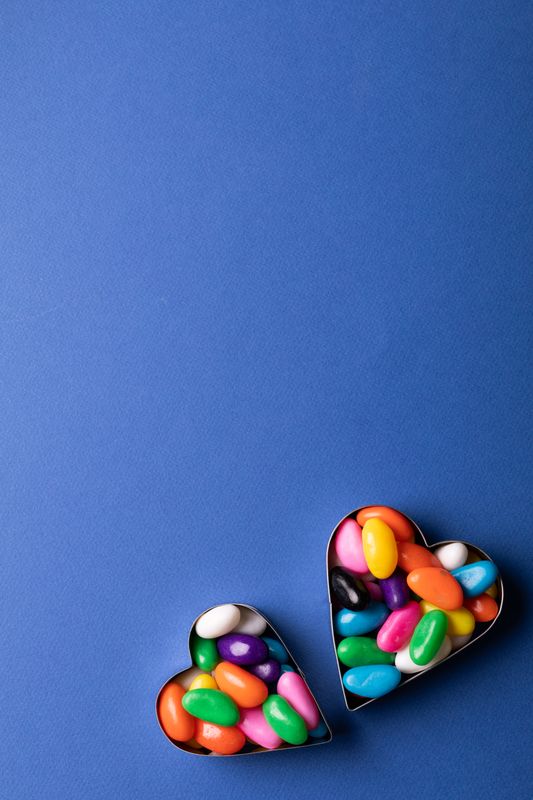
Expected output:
(348, 590)
(476, 578)
(204, 653)
(254, 725)
(428, 637)
(460, 622)
(294, 689)
(211, 705)
(413, 556)
(245, 689)
(405, 664)
(452, 555)
(483, 608)
(437, 586)
(242, 649)
(379, 547)
(355, 623)
(349, 547)
(395, 590)
(361, 651)
(400, 525)
(284, 720)
(398, 628)
(218, 621)
(177, 723)
(224, 740)
(372, 681)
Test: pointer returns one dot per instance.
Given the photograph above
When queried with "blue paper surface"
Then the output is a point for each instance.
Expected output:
(262, 262)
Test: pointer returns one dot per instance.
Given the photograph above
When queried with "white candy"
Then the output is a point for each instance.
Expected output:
(218, 621)
(460, 641)
(452, 555)
(251, 623)
(405, 663)
(186, 678)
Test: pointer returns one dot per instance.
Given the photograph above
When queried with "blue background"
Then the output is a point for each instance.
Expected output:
(262, 262)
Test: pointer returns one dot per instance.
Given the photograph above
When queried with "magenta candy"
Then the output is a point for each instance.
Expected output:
(398, 628)
(294, 689)
(349, 547)
(395, 590)
(269, 671)
(242, 649)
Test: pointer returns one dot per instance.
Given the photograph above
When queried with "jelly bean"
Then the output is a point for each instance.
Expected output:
(413, 556)
(254, 725)
(402, 528)
(211, 705)
(398, 628)
(348, 590)
(250, 622)
(452, 555)
(186, 678)
(320, 731)
(245, 689)
(242, 649)
(405, 663)
(276, 649)
(194, 744)
(484, 608)
(460, 622)
(360, 651)
(175, 720)
(437, 586)
(294, 689)
(476, 578)
(492, 591)
(269, 671)
(204, 653)
(219, 739)
(395, 590)
(460, 641)
(428, 637)
(355, 623)
(218, 621)
(371, 681)
(349, 546)
(374, 590)
(287, 668)
(284, 720)
(379, 547)
(203, 681)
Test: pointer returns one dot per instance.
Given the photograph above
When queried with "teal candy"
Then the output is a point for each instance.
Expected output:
(287, 668)
(276, 649)
(372, 681)
(476, 578)
(357, 623)
(319, 731)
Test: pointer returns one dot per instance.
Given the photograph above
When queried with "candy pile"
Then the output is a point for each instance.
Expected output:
(398, 607)
(244, 694)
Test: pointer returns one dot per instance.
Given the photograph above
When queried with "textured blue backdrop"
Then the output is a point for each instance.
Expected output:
(262, 262)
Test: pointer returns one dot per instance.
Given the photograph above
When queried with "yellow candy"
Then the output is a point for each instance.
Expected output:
(492, 591)
(204, 681)
(460, 622)
(379, 548)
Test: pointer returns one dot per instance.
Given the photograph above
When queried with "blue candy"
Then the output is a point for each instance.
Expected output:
(372, 681)
(319, 731)
(276, 650)
(287, 668)
(356, 623)
(476, 578)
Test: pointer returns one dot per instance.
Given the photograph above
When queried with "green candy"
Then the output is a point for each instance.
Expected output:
(204, 653)
(362, 651)
(284, 720)
(211, 705)
(428, 636)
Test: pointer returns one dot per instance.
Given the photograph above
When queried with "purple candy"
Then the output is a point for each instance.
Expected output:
(269, 671)
(395, 590)
(242, 649)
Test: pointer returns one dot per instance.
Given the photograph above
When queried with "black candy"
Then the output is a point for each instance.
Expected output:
(350, 591)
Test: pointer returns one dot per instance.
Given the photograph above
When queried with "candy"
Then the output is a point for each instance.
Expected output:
(276, 650)
(413, 556)
(379, 547)
(460, 622)
(348, 590)
(492, 591)
(360, 651)
(218, 621)
(374, 590)
(452, 555)
(175, 720)
(186, 678)
(398, 628)
(395, 590)
(460, 641)
(354, 623)
(320, 731)
(371, 681)
(242, 649)
(211, 705)
(269, 671)
(483, 608)
(203, 681)
(254, 725)
(204, 653)
(349, 546)
(219, 739)
(284, 720)
(437, 586)
(286, 668)
(250, 622)
(400, 525)
(428, 637)
(245, 689)
(405, 663)
(294, 689)
(476, 578)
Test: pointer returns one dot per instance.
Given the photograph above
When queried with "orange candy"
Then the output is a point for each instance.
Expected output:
(246, 689)
(401, 527)
(413, 556)
(220, 739)
(437, 586)
(175, 721)
(483, 608)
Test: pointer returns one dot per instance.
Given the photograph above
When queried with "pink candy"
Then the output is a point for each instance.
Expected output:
(349, 547)
(254, 725)
(398, 627)
(294, 689)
